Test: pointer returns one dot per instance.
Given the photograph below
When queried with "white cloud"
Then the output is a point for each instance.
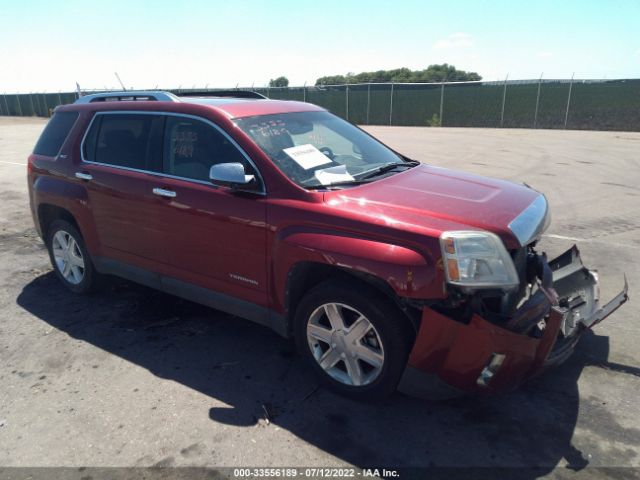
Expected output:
(455, 40)
(545, 55)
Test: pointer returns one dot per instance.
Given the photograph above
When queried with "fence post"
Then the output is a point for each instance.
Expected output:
(45, 110)
(304, 92)
(368, 101)
(38, 110)
(6, 104)
(33, 109)
(391, 105)
(535, 115)
(441, 101)
(566, 114)
(504, 99)
(46, 104)
(19, 106)
(347, 97)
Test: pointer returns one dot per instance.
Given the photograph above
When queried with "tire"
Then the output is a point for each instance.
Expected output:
(359, 361)
(72, 265)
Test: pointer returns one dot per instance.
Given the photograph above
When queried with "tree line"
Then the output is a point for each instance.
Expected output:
(432, 74)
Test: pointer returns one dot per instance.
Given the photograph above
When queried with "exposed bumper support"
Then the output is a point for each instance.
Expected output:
(458, 355)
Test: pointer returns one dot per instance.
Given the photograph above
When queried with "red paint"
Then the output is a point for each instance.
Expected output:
(457, 353)
(388, 229)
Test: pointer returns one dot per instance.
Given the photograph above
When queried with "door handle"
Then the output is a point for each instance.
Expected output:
(84, 176)
(164, 193)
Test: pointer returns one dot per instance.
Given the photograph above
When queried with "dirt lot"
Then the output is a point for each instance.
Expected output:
(135, 377)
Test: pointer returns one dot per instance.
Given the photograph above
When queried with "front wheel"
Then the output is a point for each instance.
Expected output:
(356, 341)
(70, 258)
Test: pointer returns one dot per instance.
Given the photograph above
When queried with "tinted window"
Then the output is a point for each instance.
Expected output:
(125, 140)
(55, 133)
(192, 146)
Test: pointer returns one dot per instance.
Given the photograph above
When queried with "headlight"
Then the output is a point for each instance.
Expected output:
(477, 260)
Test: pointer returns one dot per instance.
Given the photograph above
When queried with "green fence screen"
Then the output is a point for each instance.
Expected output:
(571, 104)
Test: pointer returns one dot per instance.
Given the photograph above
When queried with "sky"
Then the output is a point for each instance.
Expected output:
(49, 46)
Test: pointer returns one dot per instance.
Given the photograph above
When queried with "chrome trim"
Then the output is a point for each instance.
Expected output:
(263, 190)
(532, 221)
(229, 173)
(162, 192)
(83, 176)
(156, 96)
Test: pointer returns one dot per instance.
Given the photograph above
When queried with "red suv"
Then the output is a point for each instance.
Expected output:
(388, 273)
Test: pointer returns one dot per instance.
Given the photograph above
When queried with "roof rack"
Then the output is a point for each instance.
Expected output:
(159, 96)
(223, 93)
(129, 96)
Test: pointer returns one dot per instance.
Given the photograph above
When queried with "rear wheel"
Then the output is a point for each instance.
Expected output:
(70, 258)
(357, 342)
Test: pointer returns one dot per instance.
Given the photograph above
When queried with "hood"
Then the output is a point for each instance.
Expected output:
(442, 199)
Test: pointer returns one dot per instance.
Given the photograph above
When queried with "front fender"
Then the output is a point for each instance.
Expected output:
(409, 273)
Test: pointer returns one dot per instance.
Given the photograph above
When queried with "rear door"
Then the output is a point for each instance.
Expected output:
(120, 155)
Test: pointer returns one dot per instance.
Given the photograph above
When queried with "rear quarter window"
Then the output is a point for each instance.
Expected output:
(55, 133)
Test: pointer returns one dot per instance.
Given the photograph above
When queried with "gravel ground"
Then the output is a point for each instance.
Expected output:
(134, 377)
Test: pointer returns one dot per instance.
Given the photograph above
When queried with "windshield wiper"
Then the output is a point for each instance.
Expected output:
(336, 184)
(387, 168)
(366, 178)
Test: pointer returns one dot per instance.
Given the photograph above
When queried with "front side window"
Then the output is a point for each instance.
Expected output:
(125, 140)
(55, 133)
(318, 149)
(192, 146)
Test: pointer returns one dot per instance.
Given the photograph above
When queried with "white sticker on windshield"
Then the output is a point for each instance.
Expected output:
(330, 175)
(307, 156)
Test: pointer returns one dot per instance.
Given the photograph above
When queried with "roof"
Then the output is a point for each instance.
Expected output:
(232, 107)
(239, 108)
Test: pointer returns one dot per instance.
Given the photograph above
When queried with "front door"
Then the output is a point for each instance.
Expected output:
(213, 237)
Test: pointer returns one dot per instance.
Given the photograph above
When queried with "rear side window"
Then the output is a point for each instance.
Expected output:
(55, 133)
(125, 140)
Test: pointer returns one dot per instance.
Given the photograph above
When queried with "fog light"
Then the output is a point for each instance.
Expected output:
(490, 370)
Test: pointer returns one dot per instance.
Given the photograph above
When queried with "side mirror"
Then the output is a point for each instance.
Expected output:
(229, 175)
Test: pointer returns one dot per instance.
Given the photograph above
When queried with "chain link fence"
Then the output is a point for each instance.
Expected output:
(571, 104)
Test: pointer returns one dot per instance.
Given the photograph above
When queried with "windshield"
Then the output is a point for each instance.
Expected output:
(316, 149)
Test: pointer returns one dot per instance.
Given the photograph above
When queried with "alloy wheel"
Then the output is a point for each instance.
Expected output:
(345, 344)
(68, 257)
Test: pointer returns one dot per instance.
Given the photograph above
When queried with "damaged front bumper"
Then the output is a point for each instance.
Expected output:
(451, 357)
